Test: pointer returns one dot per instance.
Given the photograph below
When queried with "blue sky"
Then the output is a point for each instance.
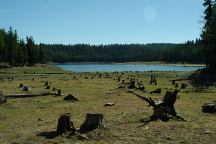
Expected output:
(104, 21)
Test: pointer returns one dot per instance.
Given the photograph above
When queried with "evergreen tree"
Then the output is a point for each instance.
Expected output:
(208, 12)
(30, 50)
(2, 45)
(209, 34)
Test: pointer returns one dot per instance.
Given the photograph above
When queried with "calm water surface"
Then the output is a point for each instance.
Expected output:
(92, 67)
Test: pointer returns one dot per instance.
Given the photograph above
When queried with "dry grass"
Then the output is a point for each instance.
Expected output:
(22, 119)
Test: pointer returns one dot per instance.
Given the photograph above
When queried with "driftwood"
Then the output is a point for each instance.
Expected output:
(92, 121)
(109, 104)
(162, 109)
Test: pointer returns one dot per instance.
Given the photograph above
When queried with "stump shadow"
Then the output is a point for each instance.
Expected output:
(49, 135)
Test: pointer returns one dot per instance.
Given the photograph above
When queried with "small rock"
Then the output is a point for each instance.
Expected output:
(108, 92)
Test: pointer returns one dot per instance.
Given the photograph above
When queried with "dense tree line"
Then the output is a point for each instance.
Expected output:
(189, 52)
(18, 52)
(209, 33)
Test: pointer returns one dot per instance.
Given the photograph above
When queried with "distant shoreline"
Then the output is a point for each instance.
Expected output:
(148, 63)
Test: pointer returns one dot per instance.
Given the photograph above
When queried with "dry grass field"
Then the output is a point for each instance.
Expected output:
(21, 119)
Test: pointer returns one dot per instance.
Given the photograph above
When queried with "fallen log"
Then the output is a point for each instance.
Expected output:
(14, 96)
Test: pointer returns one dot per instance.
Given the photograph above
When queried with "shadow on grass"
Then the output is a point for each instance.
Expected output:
(49, 135)
(152, 118)
(203, 78)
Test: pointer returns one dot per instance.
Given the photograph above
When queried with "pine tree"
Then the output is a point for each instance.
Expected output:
(30, 50)
(208, 33)
(208, 12)
(2, 45)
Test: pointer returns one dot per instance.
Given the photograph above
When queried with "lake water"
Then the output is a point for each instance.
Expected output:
(92, 67)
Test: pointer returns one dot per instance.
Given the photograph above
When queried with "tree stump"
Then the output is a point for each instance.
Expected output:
(209, 107)
(176, 85)
(184, 86)
(46, 83)
(173, 82)
(92, 121)
(131, 84)
(59, 92)
(119, 78)
(70, 97)
(26, 88)
(153, 80)
(21, 85)
(2, 98)
(65, 125)
(48, 87)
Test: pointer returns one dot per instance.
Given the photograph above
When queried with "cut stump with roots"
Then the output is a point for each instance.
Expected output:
(92, 121)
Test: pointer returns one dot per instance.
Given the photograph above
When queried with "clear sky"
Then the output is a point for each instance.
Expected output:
(104, 21)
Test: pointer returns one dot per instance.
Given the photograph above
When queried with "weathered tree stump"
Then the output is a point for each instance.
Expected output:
(140, 85)
(59, 92)
(26, 88)
(163, 109)
(131, 84)
(176, 85)
(65, 125)
(123, 82)
(46, 83)
(119, 78)
(209, 107)
(173, 82)
(92, 121)
(184, 86)
(2, 98)
(153, 80)
(70, 97)
(21, 85)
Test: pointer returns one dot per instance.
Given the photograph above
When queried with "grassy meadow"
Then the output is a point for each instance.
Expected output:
(21, 119)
